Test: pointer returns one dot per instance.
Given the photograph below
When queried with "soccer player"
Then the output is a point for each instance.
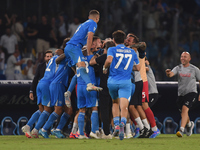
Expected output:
(39, 74)
(105, 101)
(187, 91)
(57, 89)
(84, 34)
(120, 59)
(153, 91)
(141, 46)
(43, 93)
(96, 46)
(87, 99)
(135, 105)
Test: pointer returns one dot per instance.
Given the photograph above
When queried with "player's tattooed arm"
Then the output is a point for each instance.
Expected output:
(60, 58)
(93, 60)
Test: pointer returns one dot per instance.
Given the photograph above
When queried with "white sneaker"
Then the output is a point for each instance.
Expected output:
(189, 129)
(125, 135)
(82, 137)
(129, 135)
(26, 130)
(109, 136)
(95, 135)
(92, 87)
(35, 133)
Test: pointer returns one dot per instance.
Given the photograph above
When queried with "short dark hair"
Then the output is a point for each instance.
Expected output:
(136, 39)
(64, 42)
(48, 51)
(109, 44)
(119, 36)
(94, 12)
(95, 38)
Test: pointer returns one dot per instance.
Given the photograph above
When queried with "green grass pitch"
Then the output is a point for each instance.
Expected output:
(162, 142)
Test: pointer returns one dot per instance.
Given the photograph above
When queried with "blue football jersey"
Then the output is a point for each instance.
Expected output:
(50, 70)
(89, 70)
(81, 34)
(122, 63)
(62, 73)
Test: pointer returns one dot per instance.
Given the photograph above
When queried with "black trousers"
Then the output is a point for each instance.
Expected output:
(105, 106)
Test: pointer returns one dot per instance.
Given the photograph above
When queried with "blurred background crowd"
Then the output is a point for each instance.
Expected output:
(30, 27)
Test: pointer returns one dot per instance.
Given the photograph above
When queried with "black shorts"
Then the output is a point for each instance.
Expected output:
(187, 100)
(136, 99)
(153, 99)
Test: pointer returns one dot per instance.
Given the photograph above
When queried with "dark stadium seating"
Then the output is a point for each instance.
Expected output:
(169, 126)
(197, 126)
(20, 123)
(159, 124)
(8, 126)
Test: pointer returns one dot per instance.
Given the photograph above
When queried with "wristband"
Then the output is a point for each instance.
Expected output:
(104, 69)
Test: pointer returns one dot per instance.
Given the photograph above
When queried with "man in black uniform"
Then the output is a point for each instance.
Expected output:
(105, 101)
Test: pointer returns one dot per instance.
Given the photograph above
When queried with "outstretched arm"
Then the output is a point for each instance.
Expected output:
(169, 73)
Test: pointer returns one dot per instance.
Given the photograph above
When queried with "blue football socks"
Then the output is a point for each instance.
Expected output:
(42, 119)
(50, 121)
(116, 121)
(63, 120)
(123, 120)
(95, 121)
(34, 118)
(81, 119)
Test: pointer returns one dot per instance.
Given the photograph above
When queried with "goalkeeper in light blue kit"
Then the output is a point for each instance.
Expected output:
(83, 35)
(121, 60)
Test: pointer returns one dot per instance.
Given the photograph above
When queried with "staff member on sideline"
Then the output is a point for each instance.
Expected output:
(187, 91)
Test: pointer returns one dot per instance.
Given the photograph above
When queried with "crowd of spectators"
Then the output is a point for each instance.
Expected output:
(28, 38)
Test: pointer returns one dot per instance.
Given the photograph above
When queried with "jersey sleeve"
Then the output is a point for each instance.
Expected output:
(64, 61)
(89, 58)
(110, 52)
(92, 27)
(175, 70)
(197, 73)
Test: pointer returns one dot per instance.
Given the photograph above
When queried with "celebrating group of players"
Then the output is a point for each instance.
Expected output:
(120, 62)
(120, 71)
